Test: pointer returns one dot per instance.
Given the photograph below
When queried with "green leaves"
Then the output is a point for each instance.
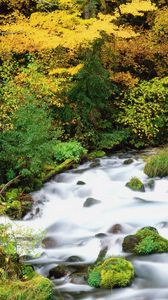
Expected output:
(28, 145)
(145, 110)
(68, 150)
(108, 140)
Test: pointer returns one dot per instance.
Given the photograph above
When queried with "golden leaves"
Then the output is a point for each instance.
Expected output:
(59, 28)
(137, 7)
(70, 71)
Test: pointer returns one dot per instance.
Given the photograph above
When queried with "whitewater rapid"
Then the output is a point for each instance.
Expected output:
(79, 232)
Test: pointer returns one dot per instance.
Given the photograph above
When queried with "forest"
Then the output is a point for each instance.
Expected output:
(79, 79)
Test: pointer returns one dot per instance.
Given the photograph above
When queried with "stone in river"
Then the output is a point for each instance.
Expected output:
(128, 161)
(80, 182)
(110, 273)
(116, 228)
(145, 241)
(58, 272)
(49, 243)
(90, 202)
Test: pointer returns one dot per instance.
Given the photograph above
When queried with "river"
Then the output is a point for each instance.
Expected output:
(77, 230)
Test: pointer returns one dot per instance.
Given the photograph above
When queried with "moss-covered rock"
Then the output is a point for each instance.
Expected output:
(36, 288)
(136, 184)
(112, 272)
(96, 154)
(145, 241)
(50, 171)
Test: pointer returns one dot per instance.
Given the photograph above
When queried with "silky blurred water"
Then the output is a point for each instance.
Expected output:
(81, 232)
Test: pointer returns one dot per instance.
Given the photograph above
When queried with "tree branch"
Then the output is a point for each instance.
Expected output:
(9, 183)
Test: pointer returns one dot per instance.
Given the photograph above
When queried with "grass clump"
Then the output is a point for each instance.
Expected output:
(112, 272)
(157, 165)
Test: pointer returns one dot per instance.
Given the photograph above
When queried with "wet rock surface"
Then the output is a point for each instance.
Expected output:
(90, 202)
(80, 182)
(115, 229)
(49, 243)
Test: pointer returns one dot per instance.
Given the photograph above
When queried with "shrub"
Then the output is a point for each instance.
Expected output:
(28, 145)
(112, 139)
(68, 150)
(144, 110)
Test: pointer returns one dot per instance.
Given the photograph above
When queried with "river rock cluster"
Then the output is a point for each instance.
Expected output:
(119, 272)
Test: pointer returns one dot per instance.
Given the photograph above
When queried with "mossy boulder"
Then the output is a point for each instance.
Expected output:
(112, 272)
(136, 184)
(50, 171)
(36, 288)
(145, 241)
(96, 154)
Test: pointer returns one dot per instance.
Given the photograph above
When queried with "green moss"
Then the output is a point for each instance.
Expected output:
(146, 241)
(157, 165)
(56, 169)
(112, 272)
(135, 184)
(36, 288)
(96, 154)
(94, 278)
(146, 231)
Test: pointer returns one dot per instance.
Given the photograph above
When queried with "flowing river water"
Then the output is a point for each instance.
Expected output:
(76, 229)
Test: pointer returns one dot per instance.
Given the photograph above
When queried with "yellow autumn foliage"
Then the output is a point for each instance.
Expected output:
(137, 7)
(71, 71)
(61, 28)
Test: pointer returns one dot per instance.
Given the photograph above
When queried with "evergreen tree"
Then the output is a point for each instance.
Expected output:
(91, 89)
